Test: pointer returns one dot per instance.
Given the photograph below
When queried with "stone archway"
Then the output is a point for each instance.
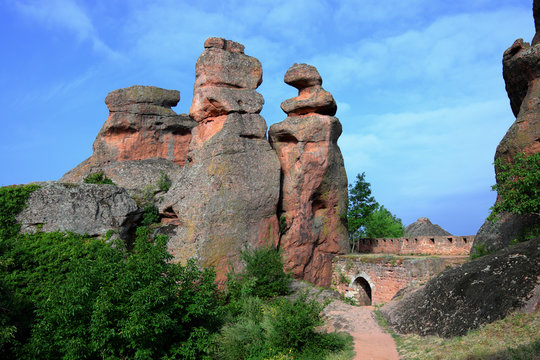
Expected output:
(363, 291)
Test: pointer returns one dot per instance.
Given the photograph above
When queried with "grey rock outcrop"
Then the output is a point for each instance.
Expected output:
(464, 297)
(80, 208)
(424, 227)
(225, 197)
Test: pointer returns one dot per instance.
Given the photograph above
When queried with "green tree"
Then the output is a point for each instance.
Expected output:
(382, 223)
(518, 186)
(361, 204)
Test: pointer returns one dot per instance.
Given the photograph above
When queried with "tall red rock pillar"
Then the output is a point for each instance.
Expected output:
(314, 182)
(226, 196)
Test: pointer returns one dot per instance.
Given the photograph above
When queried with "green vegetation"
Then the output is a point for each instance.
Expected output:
(518, 186)
(366, 217)
(150, 215)
(164, 182)
(516, 337)
(98, 178)
(74, 297)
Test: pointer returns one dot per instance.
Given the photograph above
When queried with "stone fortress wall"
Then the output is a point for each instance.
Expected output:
(417, 245)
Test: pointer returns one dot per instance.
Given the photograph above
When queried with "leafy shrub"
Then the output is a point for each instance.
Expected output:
(518, 186)
(12, 201)
(279, 329)
(150, 215)
(263, 275)
(164, 182)
(88, 299)
(98, 178)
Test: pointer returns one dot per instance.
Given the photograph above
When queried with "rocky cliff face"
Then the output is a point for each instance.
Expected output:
(227, 180)
(521, 71)
(141, 126)
(225, 197)
(314, 182)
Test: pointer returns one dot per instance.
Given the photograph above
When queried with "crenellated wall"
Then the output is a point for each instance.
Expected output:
(417, 245)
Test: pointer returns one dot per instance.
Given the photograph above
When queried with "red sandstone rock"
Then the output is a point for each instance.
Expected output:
(314, 187)
(226, 198)
(141, 126)
(312, 98)
(223, 62)
(302, 76)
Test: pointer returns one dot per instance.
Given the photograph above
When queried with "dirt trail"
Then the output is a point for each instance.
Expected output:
(370, 342)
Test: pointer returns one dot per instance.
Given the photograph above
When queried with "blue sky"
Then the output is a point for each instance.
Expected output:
(418, 83)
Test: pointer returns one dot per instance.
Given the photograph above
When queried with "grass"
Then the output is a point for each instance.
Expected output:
(515, 337)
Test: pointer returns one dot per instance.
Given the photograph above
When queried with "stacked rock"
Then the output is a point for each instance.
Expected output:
(226, 198)
(314, 185)
(141, 126)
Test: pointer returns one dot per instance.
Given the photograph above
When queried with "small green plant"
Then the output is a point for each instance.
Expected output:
(282, 224)
(164, 182)
(144, 196)
(479, 251)
(98, 178)
(150, 215)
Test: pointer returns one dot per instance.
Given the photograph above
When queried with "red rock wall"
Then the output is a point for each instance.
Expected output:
(418, 245)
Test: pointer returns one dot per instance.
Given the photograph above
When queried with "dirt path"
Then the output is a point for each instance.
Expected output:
(370, 342)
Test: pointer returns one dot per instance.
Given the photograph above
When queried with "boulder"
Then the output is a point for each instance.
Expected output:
(225, 198)
(424, 227)
(478, 292)
(80, 208)
(141, 126)
(521, 70)
(314, 182)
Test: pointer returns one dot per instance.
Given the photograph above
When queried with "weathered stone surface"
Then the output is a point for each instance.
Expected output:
(475, 293)
(312, 98)
(214, 101)
(314, 187)
(501, 233)
(226, 197)
(141, 126)
(521, 70)
(424, 227)
(223, 62)
(80, 208)
(302, 76)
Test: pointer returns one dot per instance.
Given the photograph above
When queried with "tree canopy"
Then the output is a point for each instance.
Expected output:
(366, 217)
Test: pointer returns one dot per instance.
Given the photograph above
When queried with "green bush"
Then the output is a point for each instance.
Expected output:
(263, 275)
(518, 186)
(98, 178)
(150, 215)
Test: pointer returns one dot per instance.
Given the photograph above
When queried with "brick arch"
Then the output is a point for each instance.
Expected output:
(363, 288)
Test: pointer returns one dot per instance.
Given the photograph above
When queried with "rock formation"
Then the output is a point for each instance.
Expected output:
(141, 125)
(521, 70)
(424, 227)
(478, 292)
(80, 208)
(225, 197)
(314, 183)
